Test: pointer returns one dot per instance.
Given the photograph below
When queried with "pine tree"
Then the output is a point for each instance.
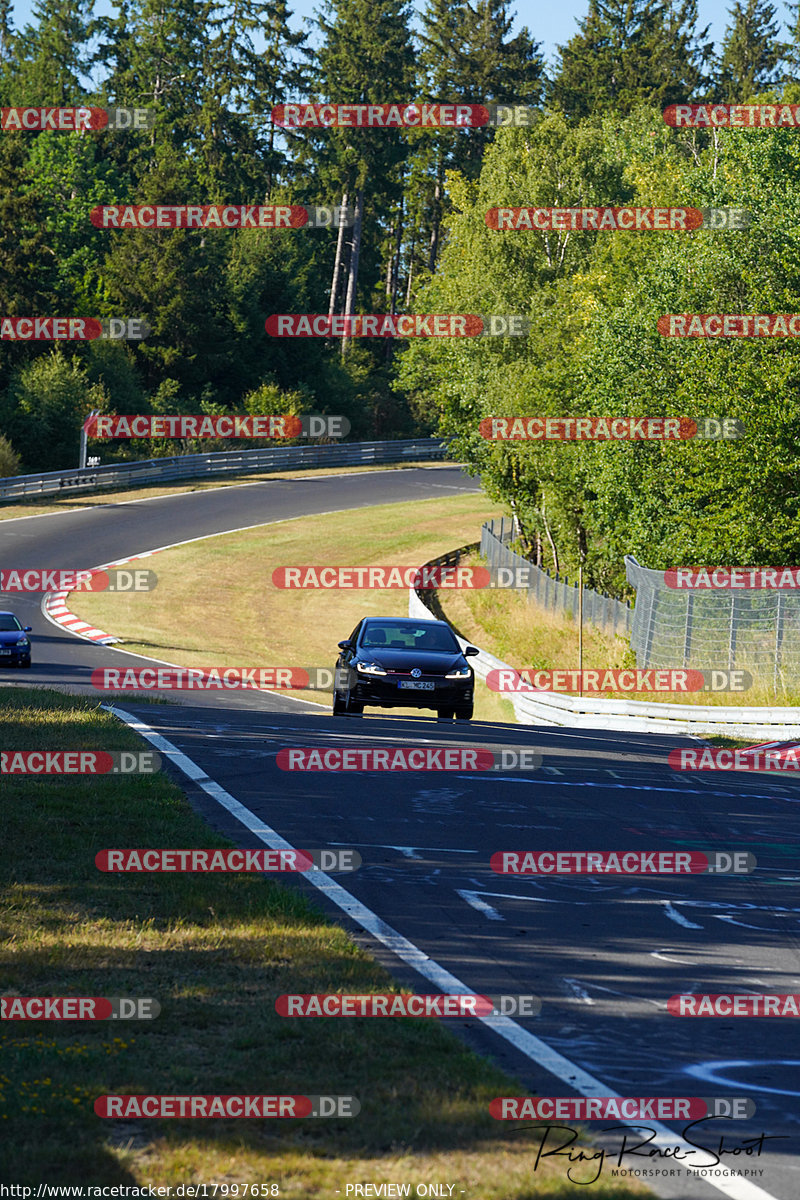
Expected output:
(366, 57)
(751, 51)
(629, 52)
(467, 55)
(54, 54)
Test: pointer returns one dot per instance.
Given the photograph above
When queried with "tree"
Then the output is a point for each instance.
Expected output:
(44, 408)
(53, 54)
(751, 51)
(366, 57)
(630, 52)
(467, 55)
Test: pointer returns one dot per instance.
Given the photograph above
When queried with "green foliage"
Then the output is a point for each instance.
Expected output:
(45, 406)
(594, 300)
(629, 52)
(9, 459)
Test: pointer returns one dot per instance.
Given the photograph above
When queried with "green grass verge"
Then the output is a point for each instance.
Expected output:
(240, 619)
(215, 951)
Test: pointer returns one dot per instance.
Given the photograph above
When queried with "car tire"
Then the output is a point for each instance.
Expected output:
(339, 705)
(446, 714)
(464, 713)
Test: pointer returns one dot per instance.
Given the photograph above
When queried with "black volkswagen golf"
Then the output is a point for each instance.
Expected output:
(400, 662)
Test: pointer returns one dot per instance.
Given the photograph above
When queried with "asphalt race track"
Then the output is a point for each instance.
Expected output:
(603, 953)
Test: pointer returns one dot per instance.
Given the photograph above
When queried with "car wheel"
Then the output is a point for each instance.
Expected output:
(464, 713)
(339, 704)
(446, 714)
(25, 662)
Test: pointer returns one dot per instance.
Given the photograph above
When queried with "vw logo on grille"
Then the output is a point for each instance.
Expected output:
(415, 674)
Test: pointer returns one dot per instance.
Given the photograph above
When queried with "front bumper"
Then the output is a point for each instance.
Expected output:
(15, 657)
(385, 691)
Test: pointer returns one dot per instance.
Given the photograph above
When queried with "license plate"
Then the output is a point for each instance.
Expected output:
(426, 686)
(5, 651)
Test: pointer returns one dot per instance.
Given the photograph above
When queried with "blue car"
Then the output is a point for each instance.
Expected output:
(15, 645)
(401, 662)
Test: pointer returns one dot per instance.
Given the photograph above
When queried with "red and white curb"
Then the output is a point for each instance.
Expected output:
(783, 747)
(55, 610)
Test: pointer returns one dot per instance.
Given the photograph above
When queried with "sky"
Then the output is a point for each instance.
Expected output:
(552, 24)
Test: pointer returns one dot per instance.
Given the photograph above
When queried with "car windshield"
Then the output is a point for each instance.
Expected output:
(8, 623)
(408, 637)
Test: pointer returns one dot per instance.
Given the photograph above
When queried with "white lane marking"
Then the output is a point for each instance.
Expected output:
(598, 987)
(711, 1072)
(471, 896)
(532, 1047)
(687, 961)
(677, 917)
(579, 992)
(472, 899)
(408, 851)
(741, 924)
(488, 776)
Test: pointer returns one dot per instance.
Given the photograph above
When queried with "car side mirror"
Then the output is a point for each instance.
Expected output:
(28, 629)
(344, 645)
(471, 651)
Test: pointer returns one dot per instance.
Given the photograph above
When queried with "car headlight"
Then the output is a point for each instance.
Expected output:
(370, 668)
(462, 673)
(23, 642)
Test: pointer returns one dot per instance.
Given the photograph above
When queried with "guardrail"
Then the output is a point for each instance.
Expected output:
(192, 466)
(545, 708)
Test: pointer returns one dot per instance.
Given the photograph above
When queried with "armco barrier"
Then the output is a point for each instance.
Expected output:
(192, 466)
(544, 708)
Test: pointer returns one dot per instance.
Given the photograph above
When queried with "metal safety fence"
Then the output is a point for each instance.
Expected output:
(192, 466)
(552, 592)
(595, 712)
(757, 630)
